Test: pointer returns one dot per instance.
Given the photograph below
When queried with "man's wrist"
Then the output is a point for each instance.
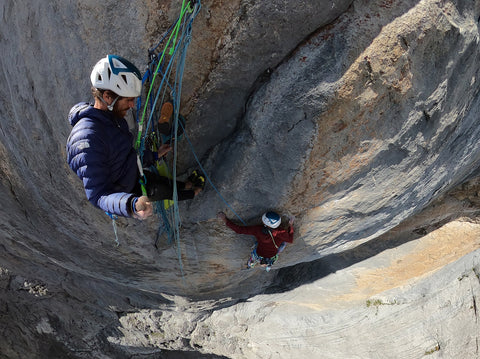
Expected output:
(134, 202)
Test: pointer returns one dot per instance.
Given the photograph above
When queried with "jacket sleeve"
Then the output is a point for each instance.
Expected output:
(285, 235)
(253, 230)
(86, 153)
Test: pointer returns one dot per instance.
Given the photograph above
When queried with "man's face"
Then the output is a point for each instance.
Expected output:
(122, 106)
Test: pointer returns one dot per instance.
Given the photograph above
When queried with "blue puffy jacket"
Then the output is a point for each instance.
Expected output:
(100, 152)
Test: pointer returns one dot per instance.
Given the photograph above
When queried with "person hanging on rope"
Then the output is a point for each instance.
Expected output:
(271, 239)
(100, 150)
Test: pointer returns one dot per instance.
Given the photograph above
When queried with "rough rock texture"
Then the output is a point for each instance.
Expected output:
(358, 117)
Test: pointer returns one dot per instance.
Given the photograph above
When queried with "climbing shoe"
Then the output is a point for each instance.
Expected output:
(164, 119)
(197, 180)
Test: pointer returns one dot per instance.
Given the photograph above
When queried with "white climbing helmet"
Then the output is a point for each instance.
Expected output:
(271, 219)
(117, 74)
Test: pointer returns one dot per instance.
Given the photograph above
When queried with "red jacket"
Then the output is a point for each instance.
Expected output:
(266, 248)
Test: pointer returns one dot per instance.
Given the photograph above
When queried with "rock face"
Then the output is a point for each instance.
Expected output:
(358, 117)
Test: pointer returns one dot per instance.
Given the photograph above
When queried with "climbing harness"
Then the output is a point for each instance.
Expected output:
(265, 262)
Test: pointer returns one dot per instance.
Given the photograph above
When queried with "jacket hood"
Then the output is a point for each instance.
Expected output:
(77, 112)
(86, 110)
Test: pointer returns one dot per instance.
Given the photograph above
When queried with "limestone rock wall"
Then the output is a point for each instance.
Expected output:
(358, 117)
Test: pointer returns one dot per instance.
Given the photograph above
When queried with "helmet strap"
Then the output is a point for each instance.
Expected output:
(110, 107)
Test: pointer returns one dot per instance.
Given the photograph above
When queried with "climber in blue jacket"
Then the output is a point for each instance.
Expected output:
(100, 150)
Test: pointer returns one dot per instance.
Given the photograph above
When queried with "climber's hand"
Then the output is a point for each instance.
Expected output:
(222, 216)
(143, 208)
(291, 220)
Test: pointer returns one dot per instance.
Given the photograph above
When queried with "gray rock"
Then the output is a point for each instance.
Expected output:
(359, 122)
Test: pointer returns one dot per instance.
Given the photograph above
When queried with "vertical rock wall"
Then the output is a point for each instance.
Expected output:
(354, 121)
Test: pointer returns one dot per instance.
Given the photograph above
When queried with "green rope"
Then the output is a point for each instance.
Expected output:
(176, 29)
(179, 36)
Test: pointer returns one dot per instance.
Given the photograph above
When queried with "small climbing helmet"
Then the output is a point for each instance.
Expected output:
(117, 74)
(271, 219)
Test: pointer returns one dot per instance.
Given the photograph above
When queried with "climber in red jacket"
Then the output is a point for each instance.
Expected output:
(271, 239)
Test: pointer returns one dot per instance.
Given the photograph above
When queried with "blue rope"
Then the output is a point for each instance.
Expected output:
(114, 218)
(166, 228)
(185, 41)
(151, 51)
(208, 178)
(177, 53)
(181, 46)
(165, 75)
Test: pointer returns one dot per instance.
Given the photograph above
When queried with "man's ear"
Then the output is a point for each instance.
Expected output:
(107, 95)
